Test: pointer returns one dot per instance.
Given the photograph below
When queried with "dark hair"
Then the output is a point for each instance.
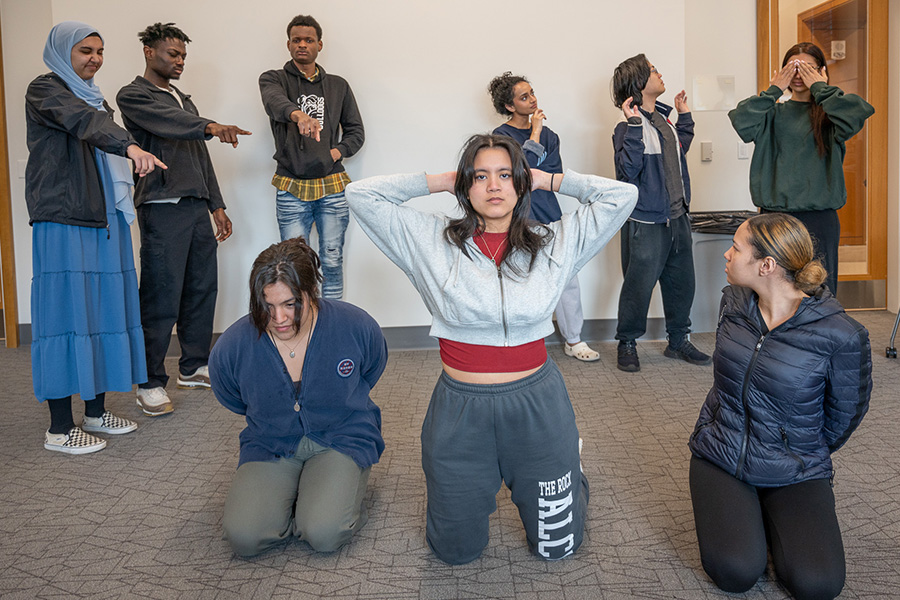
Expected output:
(629, 80)
(293, 263)
(787, 241)
(304, 21)
(501, 90)
(162, 31)
(819, 122)
(524, 234)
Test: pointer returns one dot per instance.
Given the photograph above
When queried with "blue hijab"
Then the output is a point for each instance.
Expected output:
(58, 57)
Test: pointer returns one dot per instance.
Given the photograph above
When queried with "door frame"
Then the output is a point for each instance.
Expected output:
(7, 248)
(768, 59)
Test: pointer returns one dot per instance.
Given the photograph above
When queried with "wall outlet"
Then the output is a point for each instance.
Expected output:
(706, 151)
(743, 151)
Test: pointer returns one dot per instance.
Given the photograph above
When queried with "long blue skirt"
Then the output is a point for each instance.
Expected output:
(85, 314)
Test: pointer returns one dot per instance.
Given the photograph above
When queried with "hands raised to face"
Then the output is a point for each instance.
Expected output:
(807, 72)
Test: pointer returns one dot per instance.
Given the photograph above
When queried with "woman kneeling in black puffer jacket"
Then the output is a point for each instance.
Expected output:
(793, 376)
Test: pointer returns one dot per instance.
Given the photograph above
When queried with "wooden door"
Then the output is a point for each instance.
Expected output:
(838, 27)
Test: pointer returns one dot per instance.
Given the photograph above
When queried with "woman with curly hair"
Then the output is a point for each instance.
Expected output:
(514, 98)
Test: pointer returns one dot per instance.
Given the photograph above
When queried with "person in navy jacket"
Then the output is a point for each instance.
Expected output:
(656, 239)
(793, 377)
(300, 369)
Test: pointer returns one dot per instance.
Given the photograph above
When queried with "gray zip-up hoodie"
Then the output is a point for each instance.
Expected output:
(467, 300)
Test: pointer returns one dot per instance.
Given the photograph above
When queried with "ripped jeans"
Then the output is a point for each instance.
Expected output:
(331, 216)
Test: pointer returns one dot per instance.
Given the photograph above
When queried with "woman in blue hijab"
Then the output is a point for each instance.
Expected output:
(85, 316)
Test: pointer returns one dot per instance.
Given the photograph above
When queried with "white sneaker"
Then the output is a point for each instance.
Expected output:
(108, 423)
(582, 352)
(74, 442)
(199, 379)
(154, 401)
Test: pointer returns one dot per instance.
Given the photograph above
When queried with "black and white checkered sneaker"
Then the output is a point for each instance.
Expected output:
(74, 442)
(108, 423)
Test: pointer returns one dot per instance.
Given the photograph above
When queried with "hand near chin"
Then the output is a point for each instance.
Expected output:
(537, 122)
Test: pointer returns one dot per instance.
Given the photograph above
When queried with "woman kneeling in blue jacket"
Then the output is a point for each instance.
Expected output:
(793, 377)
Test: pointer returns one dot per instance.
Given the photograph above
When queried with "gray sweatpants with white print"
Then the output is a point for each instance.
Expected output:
(522, 433)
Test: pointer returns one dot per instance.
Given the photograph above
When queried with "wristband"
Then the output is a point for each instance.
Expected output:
(552, 175)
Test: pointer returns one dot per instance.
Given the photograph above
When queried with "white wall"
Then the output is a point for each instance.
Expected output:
(419, 72)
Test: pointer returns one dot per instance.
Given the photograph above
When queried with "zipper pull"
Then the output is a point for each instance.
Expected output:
(107, 231)
(760, 342)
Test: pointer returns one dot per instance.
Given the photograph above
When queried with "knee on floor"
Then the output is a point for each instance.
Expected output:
(733, 573)
(325, 535)
(245, 541)
(815, 584)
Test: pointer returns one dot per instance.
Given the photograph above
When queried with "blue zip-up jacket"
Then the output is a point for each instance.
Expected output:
(783, 400)
(346, 356)
(639, 156)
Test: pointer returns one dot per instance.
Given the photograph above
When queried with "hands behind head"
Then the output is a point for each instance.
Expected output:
(542, 180)
(630, 109)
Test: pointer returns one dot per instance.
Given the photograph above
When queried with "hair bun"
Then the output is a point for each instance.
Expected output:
(810, 276)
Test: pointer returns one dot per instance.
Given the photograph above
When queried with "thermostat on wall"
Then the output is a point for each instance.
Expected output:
(838, 49)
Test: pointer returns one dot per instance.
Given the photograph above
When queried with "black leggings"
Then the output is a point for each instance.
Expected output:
(734, 519)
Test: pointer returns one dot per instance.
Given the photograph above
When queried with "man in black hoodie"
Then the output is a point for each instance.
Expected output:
(178, 246)
(316, 124)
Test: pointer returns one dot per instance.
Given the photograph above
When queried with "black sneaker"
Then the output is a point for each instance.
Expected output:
(628, 357)
(688, 352)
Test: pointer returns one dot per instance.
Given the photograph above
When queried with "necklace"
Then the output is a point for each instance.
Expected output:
(292, 355)
(275, 340)
(493, 254)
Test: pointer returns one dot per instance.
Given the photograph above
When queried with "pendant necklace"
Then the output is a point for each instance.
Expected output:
(493, 254)
(292, 355)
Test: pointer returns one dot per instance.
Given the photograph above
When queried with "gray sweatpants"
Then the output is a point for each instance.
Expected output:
(522, 433)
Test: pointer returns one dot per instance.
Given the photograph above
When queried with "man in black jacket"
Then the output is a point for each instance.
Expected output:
(178, 246)
(316, 124)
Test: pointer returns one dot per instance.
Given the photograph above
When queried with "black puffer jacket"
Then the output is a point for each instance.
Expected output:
(783, 400)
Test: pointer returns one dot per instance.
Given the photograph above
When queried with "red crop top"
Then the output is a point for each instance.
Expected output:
(475, 358)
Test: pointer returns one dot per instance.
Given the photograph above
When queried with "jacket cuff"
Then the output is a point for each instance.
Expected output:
(773, 91)
(533, 146)
(574, 184)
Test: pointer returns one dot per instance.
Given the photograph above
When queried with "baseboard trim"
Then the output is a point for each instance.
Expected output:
(417, 338)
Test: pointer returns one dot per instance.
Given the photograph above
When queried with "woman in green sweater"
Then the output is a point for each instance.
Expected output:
(798, 159)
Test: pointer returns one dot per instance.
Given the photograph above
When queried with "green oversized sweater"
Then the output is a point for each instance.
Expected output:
(786, 173)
